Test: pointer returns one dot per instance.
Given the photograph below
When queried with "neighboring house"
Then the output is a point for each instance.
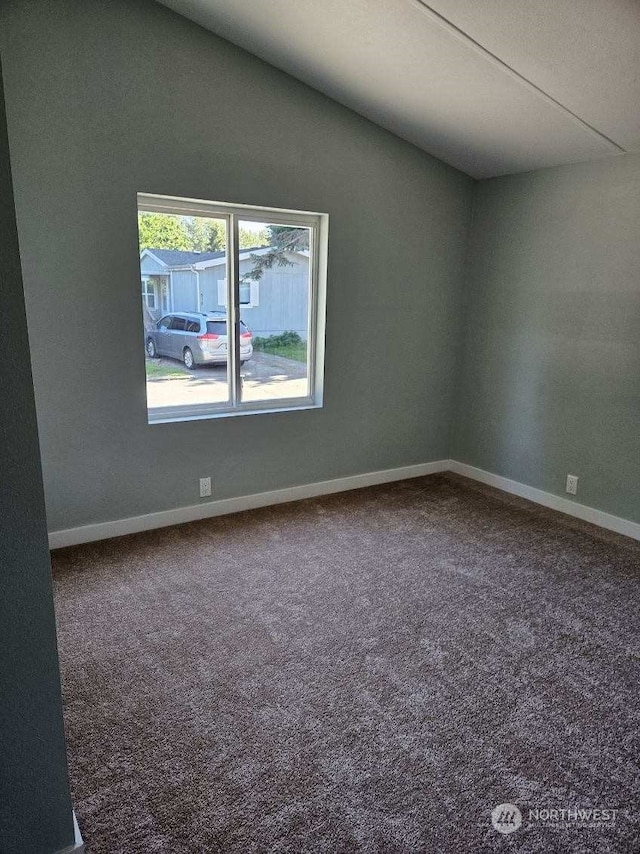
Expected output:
(175, 280)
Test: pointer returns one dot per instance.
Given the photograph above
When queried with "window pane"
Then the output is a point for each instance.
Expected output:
(217, 327)
(182, 260)
(273, 349)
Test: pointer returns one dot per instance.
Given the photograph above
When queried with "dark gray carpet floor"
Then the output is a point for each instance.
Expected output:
(368, 672)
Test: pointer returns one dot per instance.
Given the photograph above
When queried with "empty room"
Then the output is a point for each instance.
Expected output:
(320, 359)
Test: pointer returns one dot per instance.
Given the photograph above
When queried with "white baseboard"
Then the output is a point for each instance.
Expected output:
(78, 844)
(134, 524)
(548, 499)
(165, 518)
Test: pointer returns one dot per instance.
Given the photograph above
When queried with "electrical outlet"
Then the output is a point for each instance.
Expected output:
(572, 484)
(205, 487)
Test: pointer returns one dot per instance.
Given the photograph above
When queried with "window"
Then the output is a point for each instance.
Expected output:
(149, 293)
(245, 293)
(247, 286)
(217, 327)
(249, 292)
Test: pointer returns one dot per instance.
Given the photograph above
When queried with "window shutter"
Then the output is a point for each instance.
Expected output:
(255, 293)
(222, 292)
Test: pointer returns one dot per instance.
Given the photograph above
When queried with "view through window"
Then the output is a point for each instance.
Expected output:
(232, 307)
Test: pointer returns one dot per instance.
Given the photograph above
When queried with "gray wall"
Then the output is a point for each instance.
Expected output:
(551, 376)
(35, 806)
(106, 99)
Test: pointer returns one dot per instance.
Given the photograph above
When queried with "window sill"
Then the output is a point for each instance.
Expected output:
(172, 414)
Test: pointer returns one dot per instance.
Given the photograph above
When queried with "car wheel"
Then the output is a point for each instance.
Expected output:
(187, 358)
(151, 348)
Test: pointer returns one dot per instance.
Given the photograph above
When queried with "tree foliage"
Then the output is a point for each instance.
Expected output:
(161, 231)
(281, 239)
(249, 239)
(192, 233)
(204, 235)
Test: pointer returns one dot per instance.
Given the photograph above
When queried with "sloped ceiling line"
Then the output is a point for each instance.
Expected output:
(493, 88)
(508, 69)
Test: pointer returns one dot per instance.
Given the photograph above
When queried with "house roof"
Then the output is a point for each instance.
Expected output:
(181, 257)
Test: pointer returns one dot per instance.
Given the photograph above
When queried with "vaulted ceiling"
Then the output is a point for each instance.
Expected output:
(491, 87)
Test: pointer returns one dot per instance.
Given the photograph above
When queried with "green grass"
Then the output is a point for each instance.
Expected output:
(289, 345)
(297, 352)
(155, 371)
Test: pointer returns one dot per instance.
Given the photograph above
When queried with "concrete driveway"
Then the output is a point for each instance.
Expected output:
(264, 377)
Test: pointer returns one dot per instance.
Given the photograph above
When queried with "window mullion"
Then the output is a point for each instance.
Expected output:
(233, 312)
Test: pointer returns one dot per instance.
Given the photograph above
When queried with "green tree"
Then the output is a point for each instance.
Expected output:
(193, 233)
(249, 239)
(161, 231)
(280, 239)
(205, 235)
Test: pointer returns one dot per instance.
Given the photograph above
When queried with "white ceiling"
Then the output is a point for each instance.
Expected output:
(491, 87)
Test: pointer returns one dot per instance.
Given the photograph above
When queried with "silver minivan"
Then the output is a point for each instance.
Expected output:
(196, 339)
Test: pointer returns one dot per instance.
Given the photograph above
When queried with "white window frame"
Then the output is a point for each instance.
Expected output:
(149, 289)
(254, 293)
(318, 225)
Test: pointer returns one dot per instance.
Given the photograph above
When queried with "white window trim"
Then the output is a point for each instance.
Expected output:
(221, 286)
(149, 289)
(254, 289)
(318, 224)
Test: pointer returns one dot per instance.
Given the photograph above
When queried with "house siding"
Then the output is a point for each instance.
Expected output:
(283, 297)
(283, 300)
(209, 279)
(149, 267)
(184, 291)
